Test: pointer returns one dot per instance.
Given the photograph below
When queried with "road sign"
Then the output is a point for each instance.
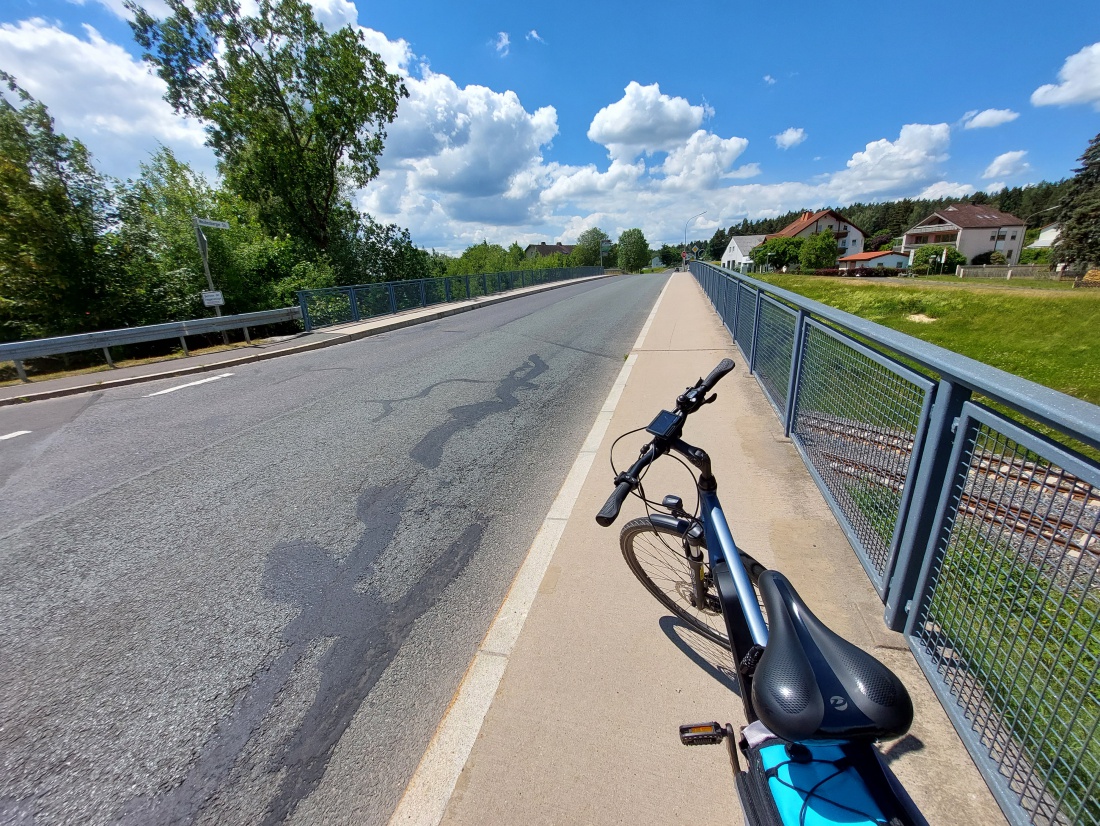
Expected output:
(207, 222)
(213, 298)
(684, 255)
(605, 246)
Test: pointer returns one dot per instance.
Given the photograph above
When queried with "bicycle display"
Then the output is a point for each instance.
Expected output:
(814, 703)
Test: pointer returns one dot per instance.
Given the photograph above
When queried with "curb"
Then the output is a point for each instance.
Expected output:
(344, 338)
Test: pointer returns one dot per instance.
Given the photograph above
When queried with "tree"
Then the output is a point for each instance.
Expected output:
(587, 252)
(1079, 212)
(633, 251)
(295, 115)
(934, 257)
(818, 252)
(776, 253)
(670, 255)
(57, 274)
(718, 243)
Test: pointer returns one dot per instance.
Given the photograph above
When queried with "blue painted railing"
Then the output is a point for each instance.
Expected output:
(969, 499)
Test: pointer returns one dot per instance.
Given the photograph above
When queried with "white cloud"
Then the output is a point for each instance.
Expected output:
(790, 137)
(890, 167)
(1007, 165)
(946, 189)
(1078, 81)
(995, 187)
(534, 35)
(645, 120)
(502, 43)
(703, 161)
(99, 93)
(988, 118)
(769, 80)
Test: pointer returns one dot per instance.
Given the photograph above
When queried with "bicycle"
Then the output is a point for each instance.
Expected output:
(814, 703)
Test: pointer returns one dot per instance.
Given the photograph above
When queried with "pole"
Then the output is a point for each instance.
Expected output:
(206, 268)
(688, 221)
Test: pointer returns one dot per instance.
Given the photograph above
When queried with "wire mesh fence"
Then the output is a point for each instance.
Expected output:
(980, 534)
(1009, 615)
(857, 417)
(341, 305)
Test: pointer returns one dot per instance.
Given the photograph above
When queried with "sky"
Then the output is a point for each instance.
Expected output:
(529, 122)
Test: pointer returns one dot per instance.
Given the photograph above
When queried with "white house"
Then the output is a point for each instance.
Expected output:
(875, 260)
(849, 237)
(972, 229)
(1047, 236)
(737, 251)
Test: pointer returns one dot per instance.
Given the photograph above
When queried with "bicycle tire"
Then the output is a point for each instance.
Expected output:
(655, 555)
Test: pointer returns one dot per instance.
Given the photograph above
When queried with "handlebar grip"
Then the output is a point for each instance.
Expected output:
(614, 502)
(724, 366)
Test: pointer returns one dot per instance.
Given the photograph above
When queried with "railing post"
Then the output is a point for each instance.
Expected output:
(354, 302)
(302, 303)
(932, 474)
(183, 344)
(755, 333)
(447, 290)
(19, 369)
(393, 298)
(247, 337)
(468, 296)
(796, 366)
(111, 361)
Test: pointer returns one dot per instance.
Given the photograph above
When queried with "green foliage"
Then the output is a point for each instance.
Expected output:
(932, 257)
(633, 251)
(587, 251)
(776, 253)
(58, 273)
(818, 252)
(718, 243)
(1043, 256)
(294, 114)
(670, 255)
(1079, 212)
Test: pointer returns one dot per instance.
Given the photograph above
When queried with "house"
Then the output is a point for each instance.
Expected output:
(972, 229)
(884, 258)
(737, 251)
(544, 249)
(849, 237)
(1048, 235)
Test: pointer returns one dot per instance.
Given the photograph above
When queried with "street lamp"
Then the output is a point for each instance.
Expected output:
(683, 257)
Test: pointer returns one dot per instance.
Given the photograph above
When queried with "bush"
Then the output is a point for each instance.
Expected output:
(827, 271)
(994, 258)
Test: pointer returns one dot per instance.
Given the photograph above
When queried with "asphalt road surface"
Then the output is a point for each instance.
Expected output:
(250, 599)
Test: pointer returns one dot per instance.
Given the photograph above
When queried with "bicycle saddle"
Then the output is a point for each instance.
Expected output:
(812, 684)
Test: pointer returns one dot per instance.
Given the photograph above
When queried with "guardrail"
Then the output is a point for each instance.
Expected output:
(341, 305)
(20, 351)
(981, 535)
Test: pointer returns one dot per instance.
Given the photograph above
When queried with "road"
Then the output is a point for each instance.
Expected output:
(250, 599)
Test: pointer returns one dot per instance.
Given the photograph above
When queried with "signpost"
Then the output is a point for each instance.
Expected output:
(210, 302)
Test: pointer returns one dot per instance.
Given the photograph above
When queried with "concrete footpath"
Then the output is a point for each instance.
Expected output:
(260, 350)
(571, 716)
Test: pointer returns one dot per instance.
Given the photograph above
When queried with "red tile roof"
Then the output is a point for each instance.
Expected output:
(867, 256)
(808, 219)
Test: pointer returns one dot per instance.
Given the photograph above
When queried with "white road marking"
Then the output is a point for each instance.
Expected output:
(189, 384)
(13, 435)
(428, 793)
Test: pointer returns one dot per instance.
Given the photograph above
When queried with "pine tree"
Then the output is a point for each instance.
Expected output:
(1079, 212)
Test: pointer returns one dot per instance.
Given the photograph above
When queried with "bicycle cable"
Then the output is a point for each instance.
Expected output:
(841, 766)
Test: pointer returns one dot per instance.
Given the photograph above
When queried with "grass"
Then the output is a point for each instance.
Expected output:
(1044, 333)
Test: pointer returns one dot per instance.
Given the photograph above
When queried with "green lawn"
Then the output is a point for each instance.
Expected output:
(1037, 330)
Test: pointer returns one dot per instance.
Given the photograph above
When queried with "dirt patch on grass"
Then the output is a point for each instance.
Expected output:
(920, 318)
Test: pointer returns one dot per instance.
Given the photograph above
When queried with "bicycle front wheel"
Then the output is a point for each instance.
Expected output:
(655, 554)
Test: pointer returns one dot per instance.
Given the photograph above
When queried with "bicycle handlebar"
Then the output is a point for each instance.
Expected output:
(686, 403)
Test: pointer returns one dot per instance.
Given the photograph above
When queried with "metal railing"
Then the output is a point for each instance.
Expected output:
(981, 534)
(20, 351)
(341, 305)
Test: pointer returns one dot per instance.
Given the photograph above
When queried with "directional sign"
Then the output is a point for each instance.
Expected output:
(213, 298)
(605, 245)
(207, 222)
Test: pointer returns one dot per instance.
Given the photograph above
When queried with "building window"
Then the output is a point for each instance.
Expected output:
(1013, 238)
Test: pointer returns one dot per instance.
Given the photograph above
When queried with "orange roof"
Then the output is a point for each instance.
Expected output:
(867, 256)
(792, 229)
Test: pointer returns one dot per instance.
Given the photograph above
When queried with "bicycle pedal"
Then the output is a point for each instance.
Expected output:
(702, 734)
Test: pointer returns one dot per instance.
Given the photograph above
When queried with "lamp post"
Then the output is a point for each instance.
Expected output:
(688, 221)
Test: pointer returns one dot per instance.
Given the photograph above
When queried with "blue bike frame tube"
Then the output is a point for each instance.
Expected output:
(721, 546)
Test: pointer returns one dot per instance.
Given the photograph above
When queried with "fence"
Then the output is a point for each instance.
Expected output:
(981, 535)
(340, 305)
(1040, 271)
(20, 351)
